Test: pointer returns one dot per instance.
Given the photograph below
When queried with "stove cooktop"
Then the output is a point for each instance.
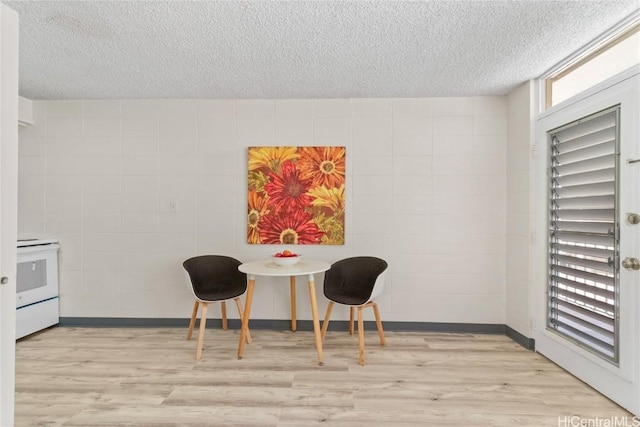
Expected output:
(35, 242)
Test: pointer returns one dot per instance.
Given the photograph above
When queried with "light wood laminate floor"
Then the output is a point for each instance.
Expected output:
(149, 377)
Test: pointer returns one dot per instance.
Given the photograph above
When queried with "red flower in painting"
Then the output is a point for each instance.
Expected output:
(292, 227)
(288, 191)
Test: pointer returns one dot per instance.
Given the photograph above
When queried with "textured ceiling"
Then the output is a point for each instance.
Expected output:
(298, 49)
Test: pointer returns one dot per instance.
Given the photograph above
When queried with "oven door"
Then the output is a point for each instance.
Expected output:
(37, 274)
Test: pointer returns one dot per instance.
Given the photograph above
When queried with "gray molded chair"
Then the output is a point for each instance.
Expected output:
(214, 278)
(355, 282)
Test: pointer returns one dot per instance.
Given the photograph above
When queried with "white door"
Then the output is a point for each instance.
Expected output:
(608, 357)
(8, 207)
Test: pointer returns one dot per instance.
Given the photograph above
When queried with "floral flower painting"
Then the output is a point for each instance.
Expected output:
(296, 195)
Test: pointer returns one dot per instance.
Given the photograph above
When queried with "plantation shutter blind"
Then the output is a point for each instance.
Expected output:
(583, 240)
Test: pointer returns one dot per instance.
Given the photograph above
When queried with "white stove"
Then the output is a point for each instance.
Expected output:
(36, 285)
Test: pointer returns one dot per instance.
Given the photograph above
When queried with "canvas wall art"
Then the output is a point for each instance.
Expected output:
(296, 195)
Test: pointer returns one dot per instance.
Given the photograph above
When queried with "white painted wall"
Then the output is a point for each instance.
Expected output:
(426, 189)
(518, 296)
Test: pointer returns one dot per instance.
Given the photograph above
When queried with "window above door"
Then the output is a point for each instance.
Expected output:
(611, 54)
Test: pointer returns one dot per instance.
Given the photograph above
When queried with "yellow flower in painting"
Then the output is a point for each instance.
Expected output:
(270, 157)
(256, 181)
(325, 165)
(333, 228)
(258, 208)
(332, 198)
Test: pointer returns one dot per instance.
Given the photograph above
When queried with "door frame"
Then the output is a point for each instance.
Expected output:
(8, 207)
(620, 383)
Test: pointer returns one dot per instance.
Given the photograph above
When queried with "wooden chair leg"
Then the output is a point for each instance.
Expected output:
(376, 313)
(325, 323)
(223, 308)
(239, 306)
(350, 320)
(192, 322)
(360, 336)
(203, 323)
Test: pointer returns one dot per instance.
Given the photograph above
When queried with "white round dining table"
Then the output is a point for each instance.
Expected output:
(268, 267)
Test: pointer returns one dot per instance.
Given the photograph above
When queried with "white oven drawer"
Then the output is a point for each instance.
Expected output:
(37, 316)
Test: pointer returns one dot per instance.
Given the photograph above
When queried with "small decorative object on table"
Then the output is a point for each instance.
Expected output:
(286, 258)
